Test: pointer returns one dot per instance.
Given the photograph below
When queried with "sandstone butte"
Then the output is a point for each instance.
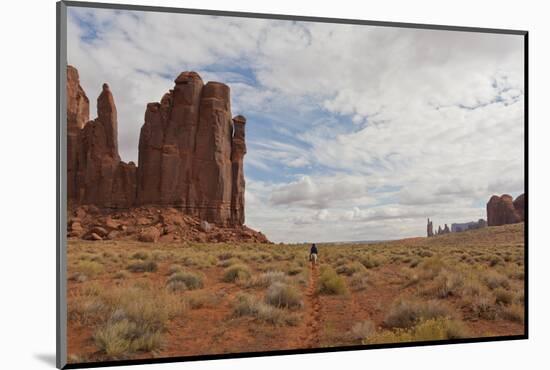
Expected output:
(190, 159)
(503, 210)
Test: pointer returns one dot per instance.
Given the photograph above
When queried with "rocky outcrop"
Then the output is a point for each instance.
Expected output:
(473, 225)
(212, 157)
(102, 179)
(430, 228)
(501, 210)
(191, 153)
(78, 113)
(238, 150)
(519, 206)
(441, 231)
(167, 144)
(152, 224)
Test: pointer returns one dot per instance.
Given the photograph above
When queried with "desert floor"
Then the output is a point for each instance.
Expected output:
(129, 300)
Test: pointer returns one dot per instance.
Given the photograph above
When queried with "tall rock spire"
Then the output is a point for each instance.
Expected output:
(238, 150)
(78, 113)
(185, 152)
(212, 161)
(100, 178)
(191, 152)
(107, 117)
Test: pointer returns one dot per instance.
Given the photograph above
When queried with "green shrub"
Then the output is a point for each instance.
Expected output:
(143, 266)
(90, 268)
(482, 306)
(351, 268)
(370, 261)
(265, 279)
(445, 284)
(432, 267)
(283, 295)
(137, 320)
(514, 312)
(174, 268)
(407, 313)
(503, 296)
(330, 282)
(426, 330)
(414, 262)
(140, 255)
(117, 338)
(184, 281)
(248, 305)
(359, 281)
(494, 279)
(237, 272)
(199, 299)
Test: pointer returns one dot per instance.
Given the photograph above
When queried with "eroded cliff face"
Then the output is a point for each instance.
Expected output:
(504, 210)
(188, 149)
(238, 150)
(78, 113)
(191, 153)
(102, 179)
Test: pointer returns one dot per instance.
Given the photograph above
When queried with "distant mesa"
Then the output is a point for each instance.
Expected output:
(191, 153)
(455, 227)
(473, 225)
(430, 228)
(439, 231)
(501, 210)
(504, 210)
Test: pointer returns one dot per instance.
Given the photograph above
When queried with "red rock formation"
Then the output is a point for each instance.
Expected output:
(167, 144)
(190, 157)
(78, 113)
(238, 150)
(123, 194)
(501, 211)
(519, 206)
(212, 159)
(151, 224)
(95, 173)
(185, 153)
(430, 228)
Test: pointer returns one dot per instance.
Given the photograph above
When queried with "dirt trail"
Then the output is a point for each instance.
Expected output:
(311, 338)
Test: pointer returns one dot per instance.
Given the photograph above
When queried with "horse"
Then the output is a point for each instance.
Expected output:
(313, 258)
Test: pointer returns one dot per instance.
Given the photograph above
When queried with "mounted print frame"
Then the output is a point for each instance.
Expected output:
(236, 184)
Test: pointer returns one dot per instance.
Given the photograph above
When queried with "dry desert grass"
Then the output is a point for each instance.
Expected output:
(137, 300)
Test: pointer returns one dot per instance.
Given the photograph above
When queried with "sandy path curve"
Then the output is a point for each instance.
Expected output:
(311, 338)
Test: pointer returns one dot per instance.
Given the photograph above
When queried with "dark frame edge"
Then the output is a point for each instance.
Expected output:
(61, 217)
(288, 17)
(163, 360)
(526, 182)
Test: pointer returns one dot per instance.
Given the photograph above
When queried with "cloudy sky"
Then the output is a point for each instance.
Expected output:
(353, 132)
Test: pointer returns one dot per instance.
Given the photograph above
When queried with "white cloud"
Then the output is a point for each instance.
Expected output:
(385, 126)
(319, 192)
